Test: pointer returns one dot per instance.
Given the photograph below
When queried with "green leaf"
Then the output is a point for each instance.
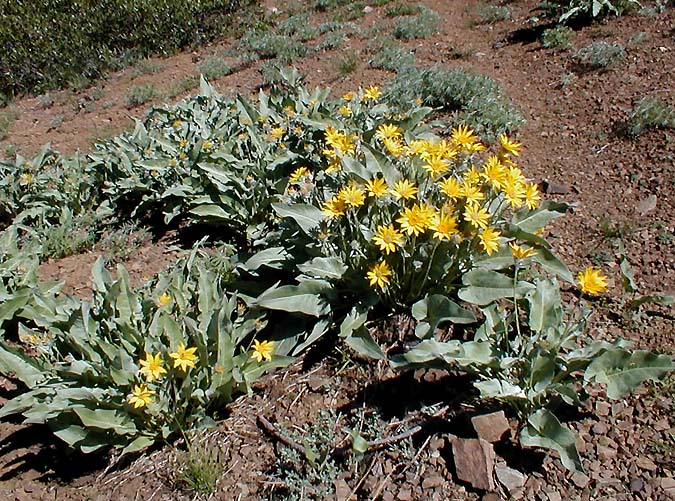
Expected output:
(486, 286)
(13, 362)
(452, 352)
(532, 221)
(545, 431)
(503, 390)
(545, 306)
(552, 264)
(211, 211)
(72, 434)
(627, 275)
(106, 419)
(138, 444)
(435, 309)
(650, 298)
(268, 257)
(622, 371)
(359, 444)
(362, 342)
(324, 267)
(291, 298)
(307, 216)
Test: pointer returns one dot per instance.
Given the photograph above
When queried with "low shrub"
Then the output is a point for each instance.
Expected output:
(648, 113)
(139, 94)
(421, 25)
(600, 55)
(559, 37)
(214, 68)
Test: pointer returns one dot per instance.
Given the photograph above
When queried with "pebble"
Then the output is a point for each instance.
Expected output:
(645, 463)
(606, 453)
(636, 485)
(554, 496)
(602, 409)
(580, 480)
(432, 482)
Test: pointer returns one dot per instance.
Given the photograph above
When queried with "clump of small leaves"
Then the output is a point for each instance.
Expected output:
(120, 244)
(348, 64)
(71, 236)
(199, 468)
(491, 14)
(332, 41)
(139, 95)
(649, 113)
(600, 55)
(185, 84)
(147, 67)
(402, 9)
(214, 68)
(420, 26)
(393, 56)
(7, 119)
(559, 37)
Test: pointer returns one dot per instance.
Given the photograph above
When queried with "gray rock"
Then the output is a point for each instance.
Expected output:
(580, 480)
(510, 478)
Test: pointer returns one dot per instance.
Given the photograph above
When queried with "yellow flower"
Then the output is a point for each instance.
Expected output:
(262, 350)
(345, 111)
(184, 357)
(182, 155)
(494, 172)
(388, 131)
(183, 143)
(475, 215)
(164, 299)
(592, 281)
(404, 189)
(207, 145)
(417, 147)
(353, 196)
(298, 174)
(472, 193)
(435, 165)
(489, 240)
(451, 188)
(141, 396)
(509, 147)
(371, 93)
(277, 133)
(464, 137)
(444, 225)
(379, 274)
(334, 207)
(532, 197)
(514, 192)
(377, 187)
(25, 178)
(175, 124)
(173, 162)
(349, 96)
(472, 176)
(333, 167)
(387, 238)
(416, 219)
(395, 147)
(519, 252)
(151, 367)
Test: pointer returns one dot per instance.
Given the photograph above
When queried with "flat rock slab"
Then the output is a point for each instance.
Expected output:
(491, 427)
(474, 462)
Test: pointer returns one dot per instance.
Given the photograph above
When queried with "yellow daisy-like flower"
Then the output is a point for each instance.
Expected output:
(298, 174)
(404, 189)
(472, 176)
(519, 252)
(334, 207)
(388, 131)
(277, 133)
(141, 396)
(514, 192)
(332, 167)
(182, 155)
(173, 162)
(444, 225)
(152, 367)
(395, 147)
(451, 188)
(164, 299)
(377, 187)
(387, 238)
(417, 147)
(464, 137)
(207, 145)
(345, 111)
(262, 350)
(592, 281)
(532, 196)
(183, 143)
(416, 219)
(25, 178)
(494, 172)
(349, 96)
(372, 93)
(489, 240)
(436, 165)
(184, 357)
(176, 123)
(472, 193)
(379, 274)
(509, 147)
(476, 216)
(353, 196)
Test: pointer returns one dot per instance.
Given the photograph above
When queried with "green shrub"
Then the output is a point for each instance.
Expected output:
(559, 37)
(473, 99)
(402, 9)
(491, 14)
(348, 64)
(420, 26)
(50, 43)
(139, 94)
(7, 119)
(649, 113)
(392, 55)
(214, 68)
(584, 10)
(600, 55)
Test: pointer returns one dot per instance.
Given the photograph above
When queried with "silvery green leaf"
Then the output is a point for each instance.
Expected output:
(545, 305)
(13, 361)
(660, 299)
(532, 221)
(485, 286)
(363, 343)
(627, 275)
(496, 388)
(324, 267)
(545, 431)
(307, 216)
(106, 419)
(551, 263)
(290, 298)
(434, 310)
(622, 371)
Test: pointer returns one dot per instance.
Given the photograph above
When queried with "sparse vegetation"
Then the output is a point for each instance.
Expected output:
(648, 113)
(214, 68)
(421, 25)
(600, 55)
(7, 118)
(391, 55)
(491, 14)
(559, 37)
(198, 468)
(348, 64)
(139, 95)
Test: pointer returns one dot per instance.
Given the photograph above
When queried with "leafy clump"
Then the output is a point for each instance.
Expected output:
(139, 95)
(491, 14)
(474, 99)
(214, 68)
(600, 55)
(559, 37)
(649, 113)
(421, 25)
(584, 10)
(391, 55)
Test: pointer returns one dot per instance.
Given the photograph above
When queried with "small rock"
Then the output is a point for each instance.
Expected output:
(342, 490)
(490, 427)
(554, 496)
(432, 482)
(317, 383)
(510, 478)
(606, 453)
(580, 480)
(367, 9)
(645, 463)
(388, 496)
(405, 495)
(490, 496)
(668, 486)
(602, 409)
(647, 205)
(555, 187)
(617, 408)
(636, 485)
(662, 425)
(436, 443)
(600, 428)
(474, 462)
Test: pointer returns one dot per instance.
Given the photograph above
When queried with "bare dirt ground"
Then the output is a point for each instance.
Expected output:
(570, 143)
